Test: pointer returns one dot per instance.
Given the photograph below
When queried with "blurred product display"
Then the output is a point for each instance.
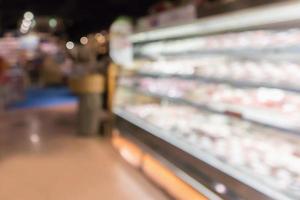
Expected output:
(12, 75)
(220, 101)
(32, 60)
(253, 103)
(249, 71)
(235, 42)
(243, 145)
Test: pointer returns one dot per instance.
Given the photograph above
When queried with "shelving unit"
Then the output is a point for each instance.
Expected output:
(264, 16)
(161, 141)
(233, 150)
(235, 83)
(243, 52)
(248, 116)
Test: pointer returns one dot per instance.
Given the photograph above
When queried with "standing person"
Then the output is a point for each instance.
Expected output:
(36, 66)
(88, 84)
(3, 68)
(66, 68)
(105, 68)
(103, 61)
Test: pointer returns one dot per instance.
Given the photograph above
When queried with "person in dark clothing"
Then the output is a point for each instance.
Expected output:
(103, 61)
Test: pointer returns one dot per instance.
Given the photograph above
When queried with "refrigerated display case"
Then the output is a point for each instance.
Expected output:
(219, 98)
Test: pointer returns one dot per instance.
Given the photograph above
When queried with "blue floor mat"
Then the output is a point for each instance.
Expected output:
(43, 97)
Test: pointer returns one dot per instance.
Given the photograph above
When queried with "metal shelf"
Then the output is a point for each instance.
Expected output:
(262, 16)
(249, 52)
(223, 111)
(263, 53)
(233, 177)
(235, 83)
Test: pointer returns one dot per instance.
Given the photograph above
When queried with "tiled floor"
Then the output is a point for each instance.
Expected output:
(42, 159)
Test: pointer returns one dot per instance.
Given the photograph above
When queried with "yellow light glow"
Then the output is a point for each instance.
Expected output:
(100, 38)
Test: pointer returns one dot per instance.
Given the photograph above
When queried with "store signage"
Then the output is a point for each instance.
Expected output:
(173, 17)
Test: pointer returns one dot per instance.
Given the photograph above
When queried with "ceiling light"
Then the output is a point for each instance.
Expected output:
(84, 40)
(26, 22)
(70, 45)
(28, 16)
(52, 23)
(25, 27)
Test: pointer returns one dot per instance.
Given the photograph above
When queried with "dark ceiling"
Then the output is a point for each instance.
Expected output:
(80, 16)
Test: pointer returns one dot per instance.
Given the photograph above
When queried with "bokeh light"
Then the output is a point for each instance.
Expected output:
(52, 22)
(28, 16)
(84, 40)
(70, 45)
(33, 24)
(26, 23)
